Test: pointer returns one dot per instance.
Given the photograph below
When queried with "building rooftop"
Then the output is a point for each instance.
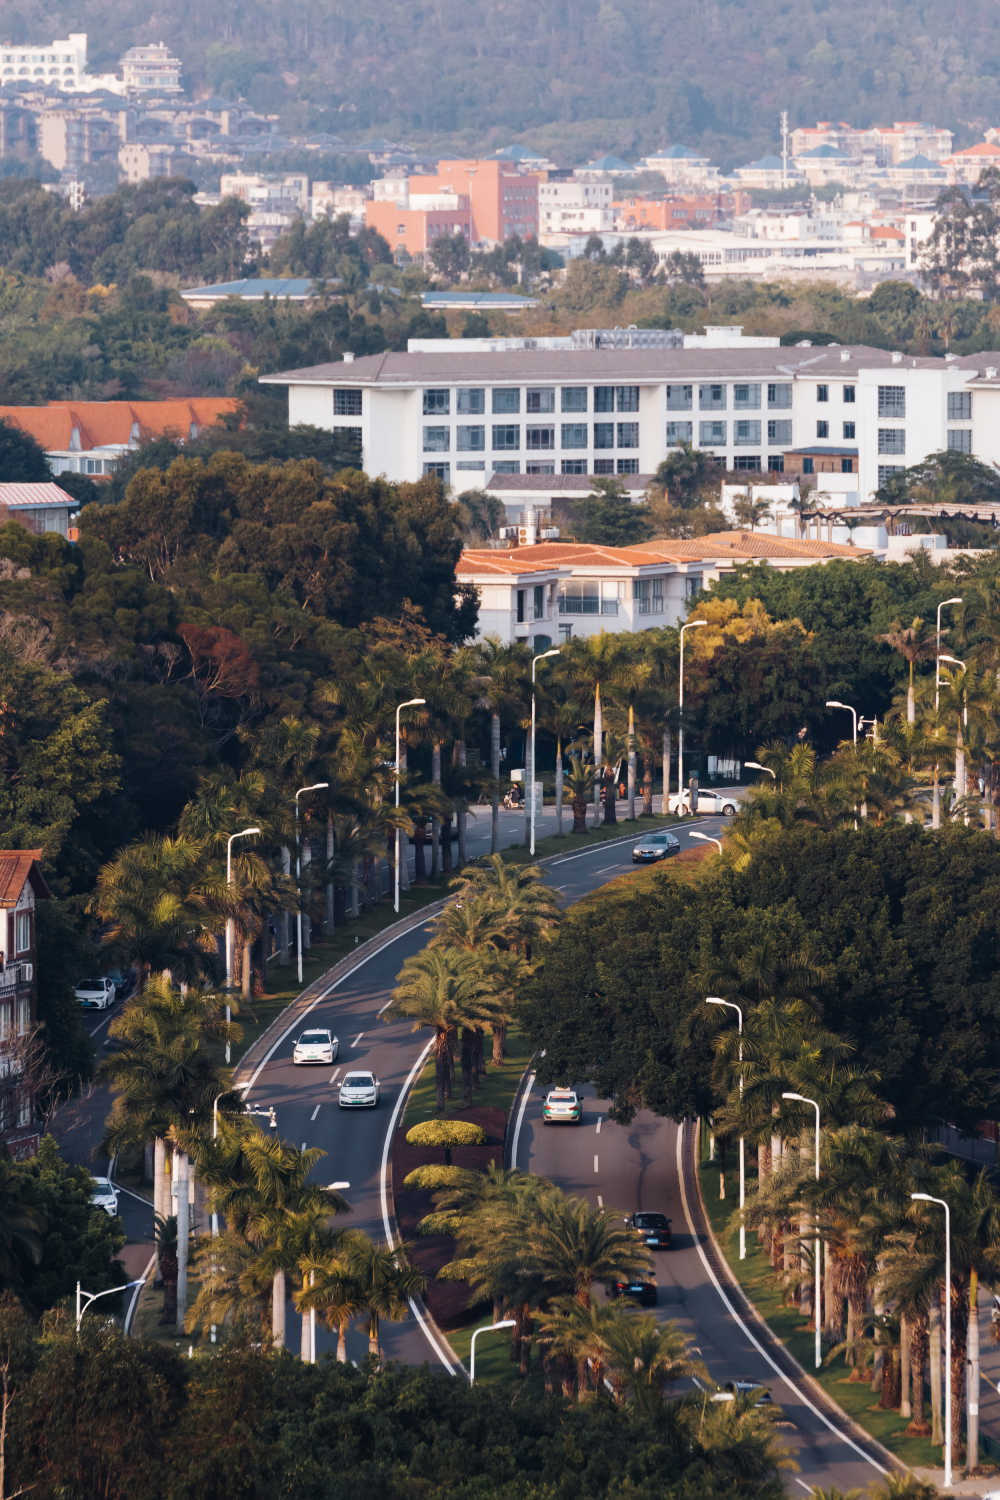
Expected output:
(17, 866)
(746, 546)
(256, 288)
(476, 299)
(102, 424)
(44, 496)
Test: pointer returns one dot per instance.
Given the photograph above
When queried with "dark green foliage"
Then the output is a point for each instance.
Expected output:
(22, 460)
(609, 518)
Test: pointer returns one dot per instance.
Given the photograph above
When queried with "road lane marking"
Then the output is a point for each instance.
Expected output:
(385, 1007)
(314, 1113)
(335, 1076)
(520, 1120)
(600, 1201)
(390, 1238)
(303, 1146)
(600, 1122)
(808, 1487)
(629, 838)
(596, 1166)
(357, 1039)
(798, 1392)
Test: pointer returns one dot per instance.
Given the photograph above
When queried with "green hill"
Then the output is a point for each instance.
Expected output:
(566, 78)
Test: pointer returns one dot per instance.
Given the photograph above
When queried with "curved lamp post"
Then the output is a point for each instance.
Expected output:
(817, 1251)
(410, 703)
(927, 1198)
(732, 1005)
(691, 625)
(531, 813)
(317, 786)
(243, 834)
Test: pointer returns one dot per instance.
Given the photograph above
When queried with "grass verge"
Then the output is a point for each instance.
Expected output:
(764, 1290)
(497, 1089)
(494, 1365)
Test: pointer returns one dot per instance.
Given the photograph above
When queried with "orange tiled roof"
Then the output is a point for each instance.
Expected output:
(17, 866)
(983, 148)
(106, 423)
(749, 545)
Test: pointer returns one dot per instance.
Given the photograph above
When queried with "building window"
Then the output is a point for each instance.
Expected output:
(506, 437)
(849, 394)
(712, 434)
(541, 399)
(679, 397)
(537, 468)
(580, 596)
(679, 432)
(628, 434)
(849, 430)
(746, 434)
(746, 397)
(892, 440)
(847, 466)
(604, 398)
(573, 466)
(506, 466)
(437, 403)
(887, 472)
(712, 397)
(604, 466)
(750, 461)
(960, 439)
(470, 439)
(470, 463)
(604, 435)
(22, 932)
(505, 401)
(574, 398)
(822, 429)
(346, 403)
(520, 607)
(822, 393)
(776, 463)
(540, 437)
(627, 397)
(808, 466)
(437, 439)
(574, 434)
(779, 432)
(959, 406)
(628, 466)
(470, 401)
(565, 632)
(440, 471)
(892, 401)
(779, 396)
(538, 600)
(648, 595)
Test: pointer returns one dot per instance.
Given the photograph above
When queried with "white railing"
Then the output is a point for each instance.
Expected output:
(16, 974)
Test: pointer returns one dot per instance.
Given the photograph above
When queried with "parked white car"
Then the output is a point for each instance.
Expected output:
(316, 1046)
(723, 804)
(104, 1195)
(96, 994)
(359, 1091)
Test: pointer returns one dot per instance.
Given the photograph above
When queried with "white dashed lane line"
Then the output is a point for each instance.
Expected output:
(599, 1124)
(357, 1039)
(335, 1076)
(596, 1168)
(314, 1113)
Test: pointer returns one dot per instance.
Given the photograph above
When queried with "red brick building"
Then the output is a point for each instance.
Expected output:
(22, 886)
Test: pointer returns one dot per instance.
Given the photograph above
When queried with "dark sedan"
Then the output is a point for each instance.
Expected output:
(654, 1229)
(637, 1290)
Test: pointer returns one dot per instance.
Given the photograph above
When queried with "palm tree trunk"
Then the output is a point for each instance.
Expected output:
(499, 1041)
(460, 815)
(665, 755)
(342, 1326)
(579, 815)
(905, 1366)
(355, 890)
(161, 1184)
(278, 1310)
(246, 986)
(331, 849)
(959, 1358)
(307, 855)
(647, 783)
(559, 784)
(435, 823)
(374, 1342)
(286, 917)
(972, 1414)
(631, 763)
(934, 1340)
(911, 699)
(598, 748)
(495, 773)
(918, 1355)
(183, 1237)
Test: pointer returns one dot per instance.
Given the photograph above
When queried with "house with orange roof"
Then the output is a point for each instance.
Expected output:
(22, 886)
(90, 437)
(966, 165)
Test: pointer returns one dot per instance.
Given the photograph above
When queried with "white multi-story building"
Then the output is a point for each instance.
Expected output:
(62, 64)
(574, 207)
(806, 410)
(151, 69)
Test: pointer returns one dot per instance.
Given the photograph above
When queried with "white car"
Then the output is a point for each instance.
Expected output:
(720, 803)
(562, 1107)
(95, 994)
(316, 1046)
(104, 1195)
(359, 1091)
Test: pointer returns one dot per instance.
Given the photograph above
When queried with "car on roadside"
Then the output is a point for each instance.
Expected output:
(318, 1045)
(359, 1091)
(562, 1107)
(637, 1289)
(95, 994)
(652, 1228)
(655, 846)
(123, 981)
(104, 1194)
(753, 1393)
(720, 804)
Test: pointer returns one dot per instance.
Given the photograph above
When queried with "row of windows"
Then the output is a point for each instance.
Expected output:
(847, 393)
(471, 400)
(601, 466)
(507, 436)
(847, 430)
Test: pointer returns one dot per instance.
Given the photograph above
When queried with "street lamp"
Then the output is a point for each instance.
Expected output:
(81, 1305)
(317, 786)
(410, 703)
(531, 811)
(833, 703)
(755, 765)
(691, 625)
(817, 1255)
(937, 644)
(927, 1198)
(486, 1328)
(731, 1005)
(328, 1187)
(243, 833)
(706, 838)
(955, 661)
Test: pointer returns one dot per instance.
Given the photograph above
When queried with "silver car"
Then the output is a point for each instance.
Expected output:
(316, 1046)
(655, 846)
(359, 1091)
(104, 1194)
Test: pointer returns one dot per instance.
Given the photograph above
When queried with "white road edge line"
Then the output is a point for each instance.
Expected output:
(357, 1039)
(520, 1120)
(600, 1122)
(384, 1190)
(809, 1487)
(137, 1292)
(314, 1113)
(596, 1166)
(385, 1007)
(335, 1076)
(727, 1304)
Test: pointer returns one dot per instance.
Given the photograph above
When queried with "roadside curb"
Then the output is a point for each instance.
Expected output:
(767, 1335)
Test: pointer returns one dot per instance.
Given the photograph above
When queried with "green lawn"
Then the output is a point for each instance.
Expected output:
(494, 1365)
(765, 1292)
(497, 1089)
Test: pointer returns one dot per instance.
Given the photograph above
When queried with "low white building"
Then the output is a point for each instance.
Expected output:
(576, 206)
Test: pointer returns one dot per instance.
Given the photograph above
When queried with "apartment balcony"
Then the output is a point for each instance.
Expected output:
(15, 976)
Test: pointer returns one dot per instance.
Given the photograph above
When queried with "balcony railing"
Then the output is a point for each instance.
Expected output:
(13, 975)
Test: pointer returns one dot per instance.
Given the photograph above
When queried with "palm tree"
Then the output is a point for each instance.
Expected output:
(645, 1355)
(572, 1245)
(330, 1287)
(579, 784)
(234, 1285)
(22, 1227)
(480, 925)
(502, 674)
(914, 642)
(526, 909)
(159, 907)
(385, 1284)
(444, 988)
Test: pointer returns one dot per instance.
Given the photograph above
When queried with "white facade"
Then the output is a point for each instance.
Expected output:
(576, 207)
(466, 415)
(62, 64)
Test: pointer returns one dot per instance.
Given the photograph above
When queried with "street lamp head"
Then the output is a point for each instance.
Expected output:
(799, 1098)
(715, 1000)
(336, 1187)
(956, 600)
(244, 832)
(693, 624)
(956, 661)
(835, 703)
(317, 786)
(413, 703)
(553, 652)
(755, 765)
(923, 1198)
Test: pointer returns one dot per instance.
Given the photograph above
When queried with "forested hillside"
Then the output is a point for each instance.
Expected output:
(599, 72)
